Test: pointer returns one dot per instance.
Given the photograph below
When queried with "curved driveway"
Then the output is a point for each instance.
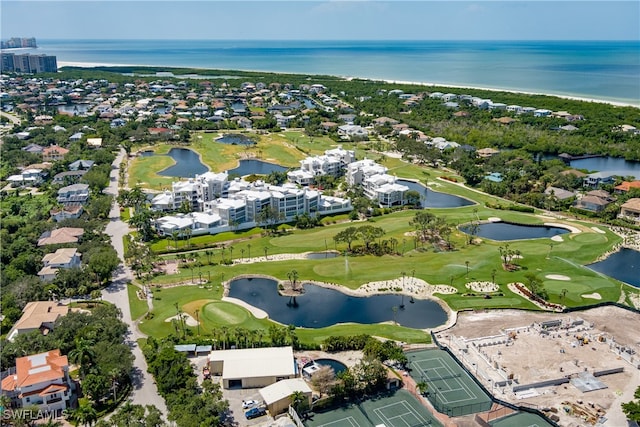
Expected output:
(145, 391)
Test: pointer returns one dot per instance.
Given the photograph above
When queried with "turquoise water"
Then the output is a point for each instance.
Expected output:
(605, 70)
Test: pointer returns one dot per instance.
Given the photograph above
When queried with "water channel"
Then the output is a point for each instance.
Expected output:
(320, 307)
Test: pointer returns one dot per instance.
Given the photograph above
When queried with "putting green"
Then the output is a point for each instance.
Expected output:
(590, 238)
(225, 313)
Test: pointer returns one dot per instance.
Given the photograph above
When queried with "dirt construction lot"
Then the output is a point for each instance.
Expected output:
(534, 347)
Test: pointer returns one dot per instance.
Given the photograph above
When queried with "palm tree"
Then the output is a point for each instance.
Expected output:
(187, 232)
(174, 236)
(249, 249)
(467, 264)
(85, 414)
(265, 249)
(242, 253)
(423, 387)
(114, 375)
(208, 253)
(297, 398)
(293, 277)
(83, 355)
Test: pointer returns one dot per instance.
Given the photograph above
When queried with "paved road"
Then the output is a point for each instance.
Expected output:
(12, 118)
(145, 391)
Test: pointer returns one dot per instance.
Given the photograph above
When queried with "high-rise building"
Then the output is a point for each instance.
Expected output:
(18, 42)
(26, 63)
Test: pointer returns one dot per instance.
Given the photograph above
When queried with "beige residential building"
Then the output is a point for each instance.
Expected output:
(38, 316)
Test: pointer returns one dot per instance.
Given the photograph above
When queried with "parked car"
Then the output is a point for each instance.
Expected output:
(250, 403)
(255, 413)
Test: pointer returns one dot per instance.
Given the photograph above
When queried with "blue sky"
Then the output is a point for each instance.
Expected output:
(322, 20)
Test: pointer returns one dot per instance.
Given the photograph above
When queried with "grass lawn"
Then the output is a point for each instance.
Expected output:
(138, 307)
(567, 258)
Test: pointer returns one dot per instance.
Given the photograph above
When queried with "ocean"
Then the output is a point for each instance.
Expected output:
(600, 70)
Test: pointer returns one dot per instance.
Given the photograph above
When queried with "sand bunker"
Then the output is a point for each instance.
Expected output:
(557, 239)
(482, 286)
(408, 285)
(557, 277)
(594, 295)
(597, 230)
(187, 318)
(494, 219)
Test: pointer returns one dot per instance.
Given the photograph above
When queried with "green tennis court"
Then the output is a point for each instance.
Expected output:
(520, 419)
(400, 409)
(451, 389)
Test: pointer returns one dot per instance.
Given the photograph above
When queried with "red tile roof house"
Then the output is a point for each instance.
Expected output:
(41, 380)
(54, 153)
(60, 236)
(626, 186)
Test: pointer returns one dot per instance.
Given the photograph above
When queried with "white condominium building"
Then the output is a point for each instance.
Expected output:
(332, 163)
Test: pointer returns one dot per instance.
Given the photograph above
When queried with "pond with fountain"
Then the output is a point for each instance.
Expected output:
(319, 307)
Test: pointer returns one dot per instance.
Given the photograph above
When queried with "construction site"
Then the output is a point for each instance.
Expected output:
(577, 367)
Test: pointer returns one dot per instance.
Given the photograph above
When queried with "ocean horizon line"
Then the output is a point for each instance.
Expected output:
(357, 40)
(390, 81)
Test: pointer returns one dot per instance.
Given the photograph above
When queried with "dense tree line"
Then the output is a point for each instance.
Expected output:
(189, 404)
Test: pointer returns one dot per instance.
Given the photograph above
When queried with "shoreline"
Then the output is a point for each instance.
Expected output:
(389, 81)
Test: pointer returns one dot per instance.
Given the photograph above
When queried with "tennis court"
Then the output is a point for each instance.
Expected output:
(451, 389)
(520, 419)
(400, 409)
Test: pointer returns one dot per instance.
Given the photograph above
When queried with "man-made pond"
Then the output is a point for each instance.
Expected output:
(235, 139)
(503, 231)
(435, 199)
(322, 255)
(319, 307)
(606, 164)
(258, 167)
(187, 164)
(611, 165)
(623, 265)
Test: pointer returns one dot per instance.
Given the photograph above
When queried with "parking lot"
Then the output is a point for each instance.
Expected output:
(235, 398)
